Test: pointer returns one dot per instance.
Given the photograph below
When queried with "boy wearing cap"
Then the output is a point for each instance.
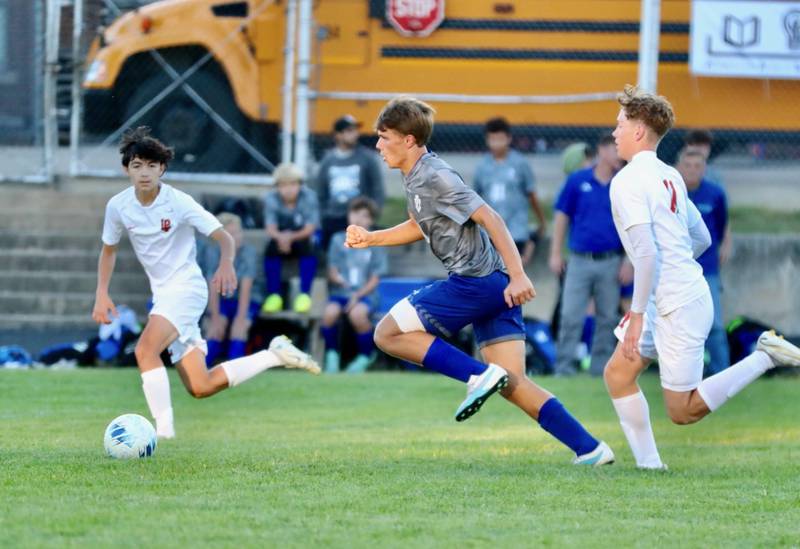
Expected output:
(347, 170)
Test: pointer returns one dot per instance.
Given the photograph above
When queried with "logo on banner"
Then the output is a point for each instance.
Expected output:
(791, 24)
(415, 17)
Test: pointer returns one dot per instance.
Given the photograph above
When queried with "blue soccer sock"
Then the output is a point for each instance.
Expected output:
(331, 337)
(214, 347)
(452, 362)
(556, 420)
(308, 270)
(272, 271)
(364, 343)
(236, 348)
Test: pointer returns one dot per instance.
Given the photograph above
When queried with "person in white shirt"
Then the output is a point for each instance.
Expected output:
(160, 221)
(672, 312)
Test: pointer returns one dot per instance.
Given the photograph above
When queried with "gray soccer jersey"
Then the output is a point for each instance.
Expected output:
(442, 204)
(505, 186)
(355, 265)
(305, 211)
(245, 263)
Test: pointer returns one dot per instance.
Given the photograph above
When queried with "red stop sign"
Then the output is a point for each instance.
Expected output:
(415, 17)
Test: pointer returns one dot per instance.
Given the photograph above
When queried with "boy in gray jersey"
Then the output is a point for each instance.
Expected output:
(486, 284)
(504, 179)
(353, 275)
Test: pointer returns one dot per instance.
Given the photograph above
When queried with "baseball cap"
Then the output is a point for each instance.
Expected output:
(345, 122)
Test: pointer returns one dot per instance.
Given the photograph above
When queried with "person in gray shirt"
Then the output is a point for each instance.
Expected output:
(353, 276)
(504, 179)
(345, 172)
(238, 309)
(486, 285)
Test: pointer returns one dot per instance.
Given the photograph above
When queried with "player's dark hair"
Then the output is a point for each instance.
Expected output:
(364, 203)
(652, 110)
(407, 116)
(139, 143)
(698, 137)
(605, 140)
(498, 124)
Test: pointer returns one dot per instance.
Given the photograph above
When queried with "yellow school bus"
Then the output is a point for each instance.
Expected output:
(482, 47)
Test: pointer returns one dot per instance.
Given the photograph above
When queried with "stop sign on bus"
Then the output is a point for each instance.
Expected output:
(415, 17)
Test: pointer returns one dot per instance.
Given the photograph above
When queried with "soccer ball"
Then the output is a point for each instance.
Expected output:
(130, 436)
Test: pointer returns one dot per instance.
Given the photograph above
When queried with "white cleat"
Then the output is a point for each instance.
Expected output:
(661, 467)
(779, 350)
(165, 433)
(602, 455)
(291, 356)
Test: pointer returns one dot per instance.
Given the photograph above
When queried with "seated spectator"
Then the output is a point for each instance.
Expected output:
(291, 216)
(353, 275)
(504, 179)
(236, 311)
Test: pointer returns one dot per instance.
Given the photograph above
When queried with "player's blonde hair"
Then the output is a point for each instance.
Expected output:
(655, 111)
(407, 116)
(228, 218)
(287, 172)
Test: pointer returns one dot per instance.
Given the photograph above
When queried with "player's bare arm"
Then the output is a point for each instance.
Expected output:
(102, 301)
(224, 280)
(405, 233)
(520, 288)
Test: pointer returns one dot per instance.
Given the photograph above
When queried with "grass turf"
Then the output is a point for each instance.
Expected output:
(293, 461)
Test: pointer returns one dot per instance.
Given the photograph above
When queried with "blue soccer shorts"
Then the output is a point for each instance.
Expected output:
(446, 306)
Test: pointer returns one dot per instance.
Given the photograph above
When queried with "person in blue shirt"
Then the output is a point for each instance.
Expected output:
(504, 179)
(595, 263)
(712, 203)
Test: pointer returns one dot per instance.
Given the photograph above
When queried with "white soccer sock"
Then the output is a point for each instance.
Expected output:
(634, 416)
(717, 389)
(155, 384)
(241, 369)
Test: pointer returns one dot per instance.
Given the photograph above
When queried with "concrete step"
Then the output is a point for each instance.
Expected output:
(54, 220)
(53, 240)
(56, 261)
(57, 304)
(41, 322)
(75, 282)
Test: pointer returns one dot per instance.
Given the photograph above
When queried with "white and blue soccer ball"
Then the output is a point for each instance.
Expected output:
(130, 436)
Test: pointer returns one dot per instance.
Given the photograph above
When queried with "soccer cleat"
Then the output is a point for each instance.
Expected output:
(302, 303)
(291, 356)
(165, 432)
(779, 350)
(479, 390)
(358, 365)
(332, 362)
(602, 455)
(272, 304)
(662, 467)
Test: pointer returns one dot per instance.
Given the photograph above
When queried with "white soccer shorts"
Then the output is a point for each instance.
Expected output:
(677, 340)
(183, 306)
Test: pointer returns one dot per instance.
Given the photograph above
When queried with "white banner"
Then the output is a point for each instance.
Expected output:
(745, 38)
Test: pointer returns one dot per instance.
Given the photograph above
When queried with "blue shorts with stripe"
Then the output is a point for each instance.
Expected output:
(446, 306)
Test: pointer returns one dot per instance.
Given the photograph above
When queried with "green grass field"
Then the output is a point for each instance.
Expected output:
(290, 460)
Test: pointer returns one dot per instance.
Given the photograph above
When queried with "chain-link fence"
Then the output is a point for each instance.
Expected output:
(200, 74)
(552, 69)
(28, 61)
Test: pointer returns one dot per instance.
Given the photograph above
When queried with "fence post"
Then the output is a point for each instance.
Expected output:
(76, 114)
(649, 30)
(303, 95)
(50, 124)
(288, 81)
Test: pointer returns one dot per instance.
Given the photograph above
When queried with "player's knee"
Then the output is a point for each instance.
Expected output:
(383, 335)
(680, 416)
(144, 351)
(200, 389)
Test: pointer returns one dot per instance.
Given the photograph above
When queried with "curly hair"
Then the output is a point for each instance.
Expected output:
(139, 143)
(655, 111)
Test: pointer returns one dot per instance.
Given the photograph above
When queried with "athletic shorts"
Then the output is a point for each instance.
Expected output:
(228, 307)
(183, 306)
(677, 340)
(446, 306)
(343, 300)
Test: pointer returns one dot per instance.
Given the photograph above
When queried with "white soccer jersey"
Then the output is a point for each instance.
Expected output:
(162, 234)
(648, 191)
